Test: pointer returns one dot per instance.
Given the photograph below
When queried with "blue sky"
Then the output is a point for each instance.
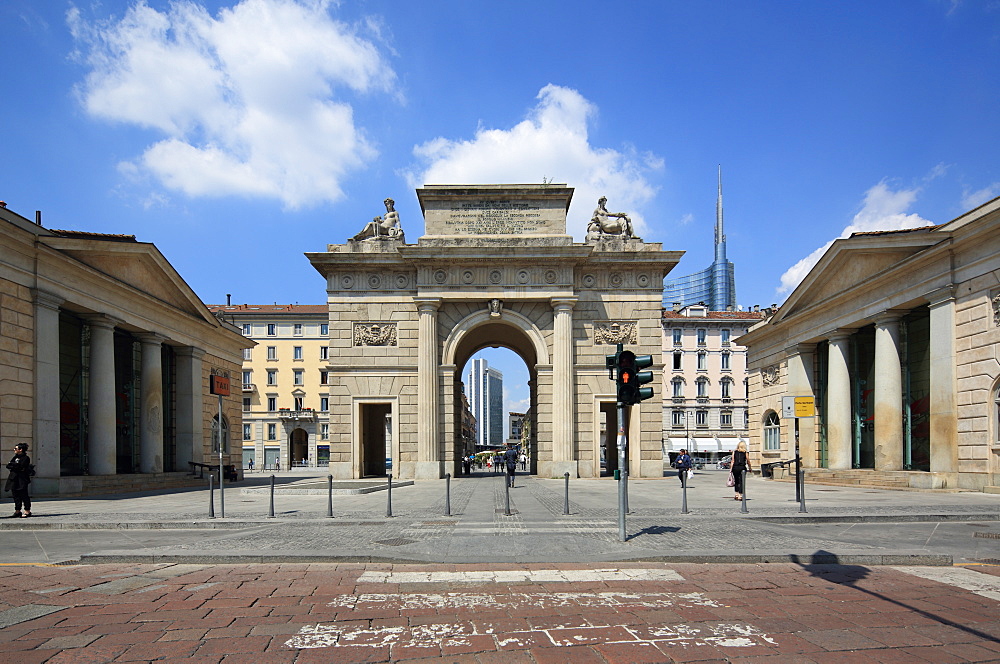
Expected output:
(255, 131)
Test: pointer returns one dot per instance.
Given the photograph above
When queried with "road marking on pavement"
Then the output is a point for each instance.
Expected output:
(445, 601)
(526, 576)
(967, 579)
(441, 635)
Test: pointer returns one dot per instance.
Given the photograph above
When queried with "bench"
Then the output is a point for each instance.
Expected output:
(200, 468)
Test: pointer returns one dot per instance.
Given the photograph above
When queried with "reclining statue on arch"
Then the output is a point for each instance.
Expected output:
(604, 224)
(383, 228)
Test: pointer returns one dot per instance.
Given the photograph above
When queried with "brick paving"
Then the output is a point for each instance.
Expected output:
(628, 613)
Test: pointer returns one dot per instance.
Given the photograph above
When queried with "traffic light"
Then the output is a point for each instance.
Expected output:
(630, 378)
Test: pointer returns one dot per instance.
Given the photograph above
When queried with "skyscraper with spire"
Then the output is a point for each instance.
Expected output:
(716, 284)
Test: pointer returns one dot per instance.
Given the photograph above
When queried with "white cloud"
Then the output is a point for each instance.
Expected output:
(883, 210)
(253, 101)
(551, 142)
(973, 199)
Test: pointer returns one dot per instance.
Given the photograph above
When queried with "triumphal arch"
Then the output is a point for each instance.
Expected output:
(494, 268)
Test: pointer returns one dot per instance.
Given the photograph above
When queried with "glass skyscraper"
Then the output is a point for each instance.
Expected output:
(715, 285)
(486, 400)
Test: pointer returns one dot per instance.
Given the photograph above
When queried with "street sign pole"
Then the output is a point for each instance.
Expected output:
(621, 470)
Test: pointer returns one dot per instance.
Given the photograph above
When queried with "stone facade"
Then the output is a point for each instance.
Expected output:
(496, 268)
(895, 335)
(105, 354)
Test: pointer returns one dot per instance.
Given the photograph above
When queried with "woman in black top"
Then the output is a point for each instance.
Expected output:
(740, 463)
(18, 480)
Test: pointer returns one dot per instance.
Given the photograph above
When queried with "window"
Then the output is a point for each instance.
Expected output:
(677, 419)
(272, 352)
(702, 361)
(297, 377)
(247, 434)
(702, 332)
(324, 404)
(272, 376)
(324, 377)
(772, 431)
(297, 353)
(324, 352)
(246, 329)
(746, 419)
(724, 335)
(678, 358)
(726, 389)
(272, 329)
(677, 336)
(246, 354)
(701, 418)
(298, 403)
(726, 418)
(702, 387)
(297, 329)
(324, 431)
(247, 377)
(324, 330)
(678, 385)
(272, 403)
(246, 404)
(272, 431)
(725, 362)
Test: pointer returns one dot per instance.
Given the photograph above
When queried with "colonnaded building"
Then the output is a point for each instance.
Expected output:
(106, 357)
(896, 336)
(495, 268)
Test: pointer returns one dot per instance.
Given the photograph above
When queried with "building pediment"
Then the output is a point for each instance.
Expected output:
(852, 263)
(135, 265)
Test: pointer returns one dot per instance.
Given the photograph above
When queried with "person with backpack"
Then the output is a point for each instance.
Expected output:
(21, 471)
(510, 460)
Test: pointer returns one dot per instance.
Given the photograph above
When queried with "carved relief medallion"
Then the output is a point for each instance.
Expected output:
(995, 301)
(770, 375)
(374, 334)
(615, 332)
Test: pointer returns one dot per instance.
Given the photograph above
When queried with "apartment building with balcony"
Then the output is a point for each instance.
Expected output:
(704, 380)
(285, 383)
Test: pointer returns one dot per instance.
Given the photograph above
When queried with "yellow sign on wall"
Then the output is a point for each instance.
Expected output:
(798, 406)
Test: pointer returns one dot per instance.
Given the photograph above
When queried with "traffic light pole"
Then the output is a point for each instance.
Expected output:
(622, 487)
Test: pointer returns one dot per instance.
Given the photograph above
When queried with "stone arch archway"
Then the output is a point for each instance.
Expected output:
(480, 330)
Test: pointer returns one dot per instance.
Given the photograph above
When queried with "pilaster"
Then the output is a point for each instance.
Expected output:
(46, 418)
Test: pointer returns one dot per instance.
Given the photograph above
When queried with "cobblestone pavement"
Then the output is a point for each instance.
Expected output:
(631, 612)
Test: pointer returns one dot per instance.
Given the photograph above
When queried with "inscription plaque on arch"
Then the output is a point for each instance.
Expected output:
(532, 210)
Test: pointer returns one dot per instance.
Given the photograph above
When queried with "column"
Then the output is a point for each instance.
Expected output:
(428, 462)
(102, 438)
(888, 394)
(563, 392)
(800, 384)
(189, 411)
(944, 382)
(838, 402)
(151, 415)
(46, 425)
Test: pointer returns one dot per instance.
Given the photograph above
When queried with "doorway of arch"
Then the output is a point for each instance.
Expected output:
(298, 448)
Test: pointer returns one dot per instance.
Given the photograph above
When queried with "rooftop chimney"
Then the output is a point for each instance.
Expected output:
(229, 299)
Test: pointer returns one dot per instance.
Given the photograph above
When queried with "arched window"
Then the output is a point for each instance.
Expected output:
(678, 385)
(772, 431)
(996, 414)
(727, 388)
(215, 434)
(702, 387)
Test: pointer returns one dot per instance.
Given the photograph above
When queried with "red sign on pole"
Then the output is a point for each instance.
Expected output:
(218, 385)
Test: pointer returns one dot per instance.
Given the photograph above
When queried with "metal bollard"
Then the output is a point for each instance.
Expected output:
(506, 493)
(566, 499)
(211, 496)
(447, 494)
(388, 499)
(743, 505)
(684, 492)
(802, 490)
(329, 496)
(270, 513)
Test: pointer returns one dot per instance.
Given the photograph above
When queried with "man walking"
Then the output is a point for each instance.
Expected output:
(510, 460)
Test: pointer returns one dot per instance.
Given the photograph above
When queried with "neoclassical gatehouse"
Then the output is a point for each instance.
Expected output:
(495, 267)
(106, 356)
(895, 334)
